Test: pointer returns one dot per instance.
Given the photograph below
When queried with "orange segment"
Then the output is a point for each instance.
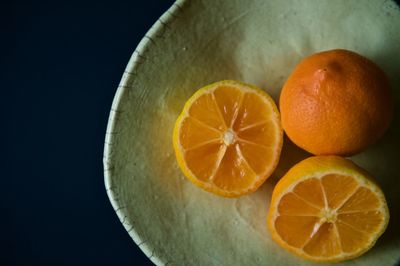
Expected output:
(325, 242)
(202, 160)
(288, 229)
(195, 133)
(260, 134)
(216, 155)
(362, 200)
(233, 172)
(258, 157)
(367, 222)
(293, 205)
(311, 191)
(337, 188)
(351, 239)
(252, 111)
(205, 110)
(317, 213)
(228, 99)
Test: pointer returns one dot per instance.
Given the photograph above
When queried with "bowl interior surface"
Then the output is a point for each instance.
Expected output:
(259, 42)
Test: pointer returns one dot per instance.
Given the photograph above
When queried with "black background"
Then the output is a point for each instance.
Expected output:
(61, 63)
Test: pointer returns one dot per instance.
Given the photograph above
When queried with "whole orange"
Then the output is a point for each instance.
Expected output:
(336, 102)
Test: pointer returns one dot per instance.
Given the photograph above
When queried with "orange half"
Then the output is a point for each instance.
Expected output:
(327, 209)
(228, 138)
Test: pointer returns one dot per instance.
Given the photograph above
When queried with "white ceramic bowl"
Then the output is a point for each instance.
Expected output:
(256, 41)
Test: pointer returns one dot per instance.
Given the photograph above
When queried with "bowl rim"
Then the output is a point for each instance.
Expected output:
(155, 30)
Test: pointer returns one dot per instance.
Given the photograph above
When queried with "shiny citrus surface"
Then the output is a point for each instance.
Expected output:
(228, 138)
(327, 209)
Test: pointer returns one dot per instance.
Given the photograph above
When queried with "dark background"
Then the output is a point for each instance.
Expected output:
(61, 63)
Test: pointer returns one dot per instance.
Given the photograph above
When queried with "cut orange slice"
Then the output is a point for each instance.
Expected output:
(327, 209)
(228, 138)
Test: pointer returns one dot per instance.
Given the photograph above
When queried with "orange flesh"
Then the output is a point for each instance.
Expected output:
(230, 137)
(327, 216)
